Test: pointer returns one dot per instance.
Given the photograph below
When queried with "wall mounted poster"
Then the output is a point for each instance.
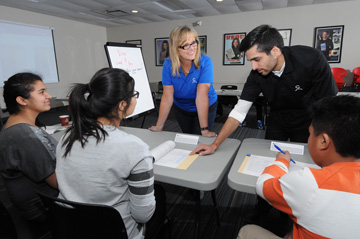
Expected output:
(286, 35)
(162, 47)
(232, 54)
(203, 44)
(329, 41)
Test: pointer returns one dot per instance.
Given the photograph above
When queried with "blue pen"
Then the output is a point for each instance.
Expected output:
(283, 152)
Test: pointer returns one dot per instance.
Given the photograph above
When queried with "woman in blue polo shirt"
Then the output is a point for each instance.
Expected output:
(187, 79)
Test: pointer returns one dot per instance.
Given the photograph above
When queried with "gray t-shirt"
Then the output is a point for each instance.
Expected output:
(117, 172)
(27, 158)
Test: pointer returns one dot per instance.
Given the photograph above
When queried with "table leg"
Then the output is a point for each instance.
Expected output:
(198, 212)
(213, 195)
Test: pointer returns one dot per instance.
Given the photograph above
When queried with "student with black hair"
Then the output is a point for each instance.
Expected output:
(98, 163)
(322, 203)
(27, 152)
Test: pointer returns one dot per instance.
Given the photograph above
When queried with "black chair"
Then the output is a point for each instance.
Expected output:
(230, 101)
(160, 88)
(80, 220)
(8, 229)
(14, 225)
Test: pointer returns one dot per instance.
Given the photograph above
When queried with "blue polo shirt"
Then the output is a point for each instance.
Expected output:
(185, 87)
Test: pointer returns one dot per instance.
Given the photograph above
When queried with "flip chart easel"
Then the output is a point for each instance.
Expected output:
(129, 58)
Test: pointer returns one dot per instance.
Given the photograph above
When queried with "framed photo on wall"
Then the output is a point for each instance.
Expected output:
(161, 50)
(135, 42)
(329, 41)
(232, 54)
(203, 44)
(286, 35)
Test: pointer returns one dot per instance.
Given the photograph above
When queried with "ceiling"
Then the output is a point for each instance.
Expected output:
(119, 12)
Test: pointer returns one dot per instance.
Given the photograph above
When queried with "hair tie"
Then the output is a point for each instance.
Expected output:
(88, 92)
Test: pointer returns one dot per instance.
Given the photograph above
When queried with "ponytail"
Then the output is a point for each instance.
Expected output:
(99, 98)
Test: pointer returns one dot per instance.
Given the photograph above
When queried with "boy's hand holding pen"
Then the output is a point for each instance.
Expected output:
(282, 154)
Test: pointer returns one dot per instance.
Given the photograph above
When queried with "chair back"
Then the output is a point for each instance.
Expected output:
(226, 100)
(228, 87)
(81, 220)
(160, 87)
(339, 74)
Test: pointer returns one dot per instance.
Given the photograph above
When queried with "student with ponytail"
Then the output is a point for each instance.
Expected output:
(98, 163)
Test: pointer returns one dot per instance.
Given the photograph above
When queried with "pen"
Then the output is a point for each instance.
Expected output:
(277, 147)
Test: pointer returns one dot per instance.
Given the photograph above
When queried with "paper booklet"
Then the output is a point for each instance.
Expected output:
(255, 165)
(167, 155)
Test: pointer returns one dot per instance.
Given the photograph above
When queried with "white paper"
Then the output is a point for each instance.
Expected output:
(52, 129)
(162, 149)
(167, 155)
(186, 139)
(174, 158)
(256, 165)
(292, 148)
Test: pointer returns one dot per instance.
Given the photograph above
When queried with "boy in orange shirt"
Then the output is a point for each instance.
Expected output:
(323, 203)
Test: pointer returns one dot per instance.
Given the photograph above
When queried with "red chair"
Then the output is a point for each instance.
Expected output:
(339, 74)
(356, 80)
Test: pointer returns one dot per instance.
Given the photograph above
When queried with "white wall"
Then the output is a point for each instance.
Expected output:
(79, 47)
(302, 21)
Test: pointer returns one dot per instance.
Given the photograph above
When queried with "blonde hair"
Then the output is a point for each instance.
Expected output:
(177, 38)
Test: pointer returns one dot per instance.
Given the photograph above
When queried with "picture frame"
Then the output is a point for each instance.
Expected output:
(329, 41)
(203, 44)
(135, 42)
(231, 56)
(161, 52)
(286, 35)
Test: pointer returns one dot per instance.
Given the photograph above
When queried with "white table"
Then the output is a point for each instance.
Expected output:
(205, 173)
(238, 93)
(246, 183)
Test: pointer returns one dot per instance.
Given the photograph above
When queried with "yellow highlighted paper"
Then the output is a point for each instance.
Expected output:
(187, 162)
(246, 159)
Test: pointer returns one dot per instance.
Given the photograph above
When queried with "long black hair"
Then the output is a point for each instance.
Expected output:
(167, 49)
(99, 98)
(20, 84)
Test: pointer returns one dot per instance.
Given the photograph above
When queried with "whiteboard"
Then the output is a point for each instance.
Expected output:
(25, 48)
(129, 57)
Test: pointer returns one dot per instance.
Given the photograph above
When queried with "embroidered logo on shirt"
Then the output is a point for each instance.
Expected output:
(297, 87)
(194, 81)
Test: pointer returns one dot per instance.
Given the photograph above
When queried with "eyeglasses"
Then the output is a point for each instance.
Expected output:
(136, 94)
(187, 46)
